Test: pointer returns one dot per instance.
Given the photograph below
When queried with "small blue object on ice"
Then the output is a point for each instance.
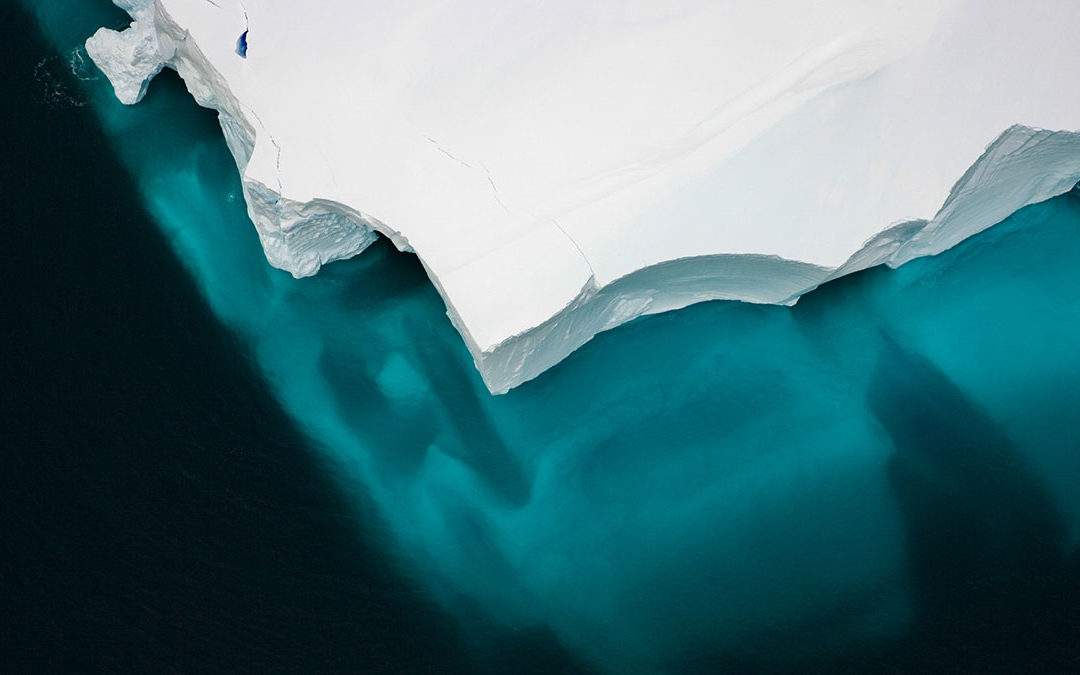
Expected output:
(241, 45)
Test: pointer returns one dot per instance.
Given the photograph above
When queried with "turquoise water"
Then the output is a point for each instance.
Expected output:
(693, 488)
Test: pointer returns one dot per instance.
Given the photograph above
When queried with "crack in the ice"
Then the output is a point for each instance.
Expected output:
(496, 191)
(242, 41)
(592, 272)
(277, 160)
(445, 152)
(494, 188)
(487, 174)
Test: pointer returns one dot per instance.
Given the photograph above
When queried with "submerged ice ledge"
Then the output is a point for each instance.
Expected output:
(561, 171)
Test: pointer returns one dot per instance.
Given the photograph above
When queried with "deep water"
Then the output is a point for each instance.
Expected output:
(212, 464)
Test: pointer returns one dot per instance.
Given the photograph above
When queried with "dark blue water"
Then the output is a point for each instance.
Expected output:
(213, 465)
(160, 511)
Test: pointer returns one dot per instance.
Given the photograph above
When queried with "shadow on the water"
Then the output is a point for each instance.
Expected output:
(478, 441)
(161, 512)
(987, 565)
(396, 439)
(379, 279)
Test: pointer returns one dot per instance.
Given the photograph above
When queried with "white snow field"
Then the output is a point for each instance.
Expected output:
(563, 167)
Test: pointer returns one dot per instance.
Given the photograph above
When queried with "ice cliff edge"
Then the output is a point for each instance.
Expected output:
(560, 170)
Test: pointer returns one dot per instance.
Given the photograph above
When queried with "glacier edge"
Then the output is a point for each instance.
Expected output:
(1023, 165)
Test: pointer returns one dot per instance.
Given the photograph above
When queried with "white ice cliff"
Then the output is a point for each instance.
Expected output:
(561, 168)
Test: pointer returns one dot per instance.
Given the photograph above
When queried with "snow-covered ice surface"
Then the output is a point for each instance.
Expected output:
(562, 169)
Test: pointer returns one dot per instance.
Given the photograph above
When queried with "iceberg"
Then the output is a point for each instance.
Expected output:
(562, 169)
(727, 487)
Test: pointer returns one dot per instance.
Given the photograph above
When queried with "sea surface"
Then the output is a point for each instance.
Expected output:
(210, 465)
